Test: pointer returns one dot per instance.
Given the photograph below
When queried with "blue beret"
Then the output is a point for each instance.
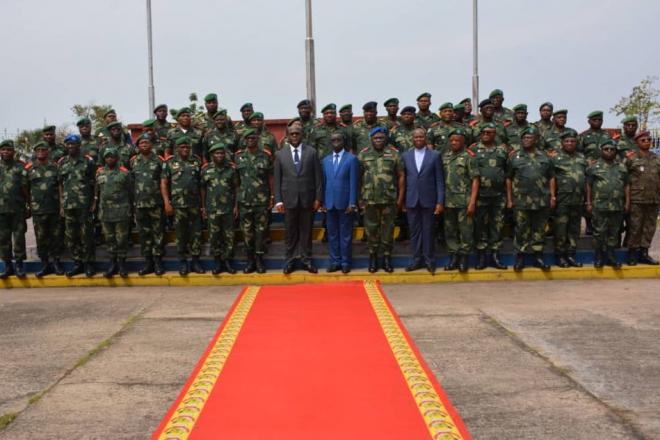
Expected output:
(73, 138)
(377, 130)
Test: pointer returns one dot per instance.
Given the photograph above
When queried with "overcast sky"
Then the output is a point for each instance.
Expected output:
(582, 55)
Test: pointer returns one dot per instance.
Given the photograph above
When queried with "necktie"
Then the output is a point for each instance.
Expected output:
(296, 159)
(335, 164)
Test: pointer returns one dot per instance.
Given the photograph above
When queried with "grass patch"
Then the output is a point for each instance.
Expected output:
(6, 419)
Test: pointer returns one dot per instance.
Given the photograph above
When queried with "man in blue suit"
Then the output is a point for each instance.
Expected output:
(425, 197)
(341, 171)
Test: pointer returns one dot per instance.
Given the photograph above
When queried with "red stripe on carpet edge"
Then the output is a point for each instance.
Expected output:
(193, 375)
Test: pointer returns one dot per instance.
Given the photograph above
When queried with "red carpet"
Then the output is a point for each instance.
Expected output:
(324, 361)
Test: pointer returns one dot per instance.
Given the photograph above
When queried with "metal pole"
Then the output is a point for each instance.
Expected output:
(152, 98)
(475, 59)
(309, 58)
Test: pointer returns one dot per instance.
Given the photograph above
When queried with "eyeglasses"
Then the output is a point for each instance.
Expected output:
(295, 133)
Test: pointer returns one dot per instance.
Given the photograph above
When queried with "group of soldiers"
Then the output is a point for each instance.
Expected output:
(209, 168)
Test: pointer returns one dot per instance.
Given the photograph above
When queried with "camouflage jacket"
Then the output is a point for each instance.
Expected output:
(227, 137)
(162, 129)
(624, 144)
(438, 136)
(90, 147)
(530, 174)
(569, 177)
(126, 152)
(254, 170)
(379, 170)
(220, 183)
(476, 126)
(55, 153)
(490, 162)
(542, 127)
(390, 124)
(504, 115)
(13, 178)
(589, 143)
(44, 193)
(146, 174)
(240, 127)
(361, 133)
(115, 188)
(552, 141)
(307, 129)
(608, 185)
(103, 135)
(513, 130)
(459, 169)
(194, 133)
(320, 138)
(183, 177)
(77, 179)
(644, 172)
(401, 137)
(425, 121)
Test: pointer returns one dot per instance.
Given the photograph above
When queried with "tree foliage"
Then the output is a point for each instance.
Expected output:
(642, 102)
(93, 111)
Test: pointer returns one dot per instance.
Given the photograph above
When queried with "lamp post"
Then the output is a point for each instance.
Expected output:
(152, 97)
(309, 58)
(475, 58)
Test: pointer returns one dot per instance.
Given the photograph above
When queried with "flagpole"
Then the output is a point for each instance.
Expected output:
(309, 58)
(475, 58)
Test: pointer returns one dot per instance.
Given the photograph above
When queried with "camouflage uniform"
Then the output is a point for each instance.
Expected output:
(460, 169)
(240, 127)
(55, 153)
(380, 181)
(163, 129)
(194, 133)
(146, 174)
(89, 147)
(644, 172)
(570, 181)
(183, 178)
(530, 174)
(551, 141)
(390, 124)
(13, 179)
(221, 183)
(266, 141)
(589, 142)
(125, 151)
(361, 133)
(401, 137)
(307, 129)
(624, 144)
(45, 207)
(542, 127)
(503, 115)
(513, 130)
(500, 136)
(320, 138)
(214, 136)
(438, 136)
(77, 179)
(114, 189)
(608, 183)
(425, 121)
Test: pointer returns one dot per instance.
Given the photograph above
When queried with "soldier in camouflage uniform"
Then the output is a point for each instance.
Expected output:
(114, 195)
(545, 123)
(392, 119)
(608, 197)
(625, 142)
(437, 136)
(644, 171)
(75, 177)
(246, 110)
(266, 140)
(382, 190)
(401, 135)
(469, 117)
(14, 191)
(306, 120)
(501, 114)
(569, 166)
(180, 189)
(221, 133)
(158, 145)
(57, 151)
(459, 115)
(515, 127)
(206, 120)
(363, 128)
(255, 199)
(44, 204)
(425, 117)
(161, 125)
(90, 145)
(552, 139)
(461, 192)
(146, 172)
(219, 185)
(320, 138)
(487, 110)
(186, 129)
(102, 132)
(530, 192)
(346, 116)
(589, 140)
(490, 161)
(116, 140)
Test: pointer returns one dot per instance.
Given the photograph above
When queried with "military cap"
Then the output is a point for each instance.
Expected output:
(607, 142)
(520, 107)
(249, 132)
(217, 146)
(424, 95)
(304, 102)
(485, 102)
(39, 144)
(496, 92)
(73, 138)
(409, 109)
(183, 111)
(458, 132)
(529, 130)
(642, 134)
(246, 105)
(159, 106)
(459, 108)
(256, 115)
(562, 111)
(488, 125)
(7, 143)
(568, 134)
(109, 151)
(377, 130)
(329, 107)
(84, 121)
(182, 140)
(149, 123)
(221, 112)
(466, 100)
(113, 124)
(346, 107)
(48, 128)
(290, 123)
(446, 105)
(628, 119)
(109, 112)
(211, 97)
(391, 101)
(146, 136)
(595, 114)
(371, 105)
(546, 104)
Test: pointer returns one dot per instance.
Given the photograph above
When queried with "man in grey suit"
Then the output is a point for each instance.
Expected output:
(425, 197)
(298, 195)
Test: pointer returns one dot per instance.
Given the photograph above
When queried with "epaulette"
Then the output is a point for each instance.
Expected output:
(472, 124)
(159, 157)
(99, 169)
(133, 158)
(172, 124)
(103, 143)
(511, 154)
(124, 169)
(434, 124)
(171, 129)
(552, 153)
(506, 146)
(394, 128)
(592, 162)
(267, 152)
(394, 148)
(341, 124)
(89, 157)
(470, 152)
(199, 127)
(163, 138)
(630, 154)
(206, 164)
(364, 150)
(194, 155)
(100, 135)
(616, 136)
(473, 145)
(318, 125)
(232, 164)
(61, 159)
(238, 152)
(28, 166)
(507, 123)
(207, 133)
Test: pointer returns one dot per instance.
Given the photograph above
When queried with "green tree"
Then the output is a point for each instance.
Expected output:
(27, 138)
(93, 111)
(642, 102)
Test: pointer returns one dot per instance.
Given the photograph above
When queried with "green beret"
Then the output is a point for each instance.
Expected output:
(146, 136)
(149, 123)
(459, 108)
(290, 123)
(113, 124)
(183, 111)
(249, 132)
(568, 134)
(211, 97)
(458, 131)
(628, 119)
(496, 92)
(391, 101)
(222, 112)
(424, 95)
(329, 107)
(39, 144)
(344, 107)
(7, 143)
(48, 128)
(109, 151)
(110, 112)
(84, 121)
(246, 105)
(159, 106)
(595, 114)
(546, 104)
(488, 125)
(560, 112)
(520, 107)
(256, 115)
(218, 146)
(529, 130)
(466, 100)
(446, 105)
(182, 140)
(608, 142)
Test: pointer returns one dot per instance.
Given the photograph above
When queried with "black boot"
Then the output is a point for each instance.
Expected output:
(259, 262)
(217, 270)
(57, 267)
(588, 229)
(387, 264)
(229, 267)
(570, 259)
(111, 271)
(251, 267)
(481, 260)
(463, 263)
(598, 259)
(9, 270)
(78, 268)
(610, 259)
(560, 260)
(121, 267)
(632, 257)
(373, 263)
(19, 269)
(453, 263)
(89, 269)
(158, 265)
(644, 257)
(148, 267)
(520, 262)
(495, 261)
(46, 269)
(197, 265)
(184, 270)
(539, 263)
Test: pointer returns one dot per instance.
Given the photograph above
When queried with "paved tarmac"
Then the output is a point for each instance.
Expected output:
(519, 360)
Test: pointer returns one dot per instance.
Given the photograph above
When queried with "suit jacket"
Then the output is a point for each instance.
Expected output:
(426, 187)
(341, 187)
(298, 189)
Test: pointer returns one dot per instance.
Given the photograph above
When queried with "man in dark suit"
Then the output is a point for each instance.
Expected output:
(298, 195)
(341, 171)
(425, 197)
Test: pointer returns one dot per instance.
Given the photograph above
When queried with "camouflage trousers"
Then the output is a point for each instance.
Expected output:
(13, 225)
(116, 237)
(188, 227)
(459, 230)
(151, 226)
(221, 228)
(489, 222)
(642, 221)
(47, 231)
(568, 219)
(379, 227)
(607, 225)
(79, 234)
(529, 229)
(254, 225)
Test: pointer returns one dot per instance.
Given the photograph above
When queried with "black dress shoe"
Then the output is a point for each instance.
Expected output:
(78, 268)
(560, 260)
(415, 265)
(345, 270)
(289, 268)
(310, 268)
(334, 268)
(46, 269)
(89, 270)
(495, 261)
(570, 259)
(539, 263)
(430, 267)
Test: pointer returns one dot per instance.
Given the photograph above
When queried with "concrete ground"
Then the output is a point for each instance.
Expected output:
(519, 360)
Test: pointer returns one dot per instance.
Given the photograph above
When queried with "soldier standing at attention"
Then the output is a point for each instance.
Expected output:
(179, 185)
(490, 161)
(116, 140)
(363, 128)
(392, 108)
(644, 171)
(346, 117)
(608, 197)
(185, 129)
(157, 143)
(425, 117)
(221, 133)
(467, 105)
(569, 166)
(146, 172)
(513, 129)
(545, 123)
(219, 186)
(320, 138)
(306, 120)
(255, 199)
(205, 122)
(14, 210)
(437, 136)
(589, 140)
(76, 176)
(501, 114)
(161, 125)
(461, 192)
(113, 192)
(90, 145)
(266, 139)
(44, 204)
(401, 135)
(487, 111)
(552, 138)
(383, 188)
(530, 192)
(56, 151)
(626, 141)
(102, 132)
(246, 110)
